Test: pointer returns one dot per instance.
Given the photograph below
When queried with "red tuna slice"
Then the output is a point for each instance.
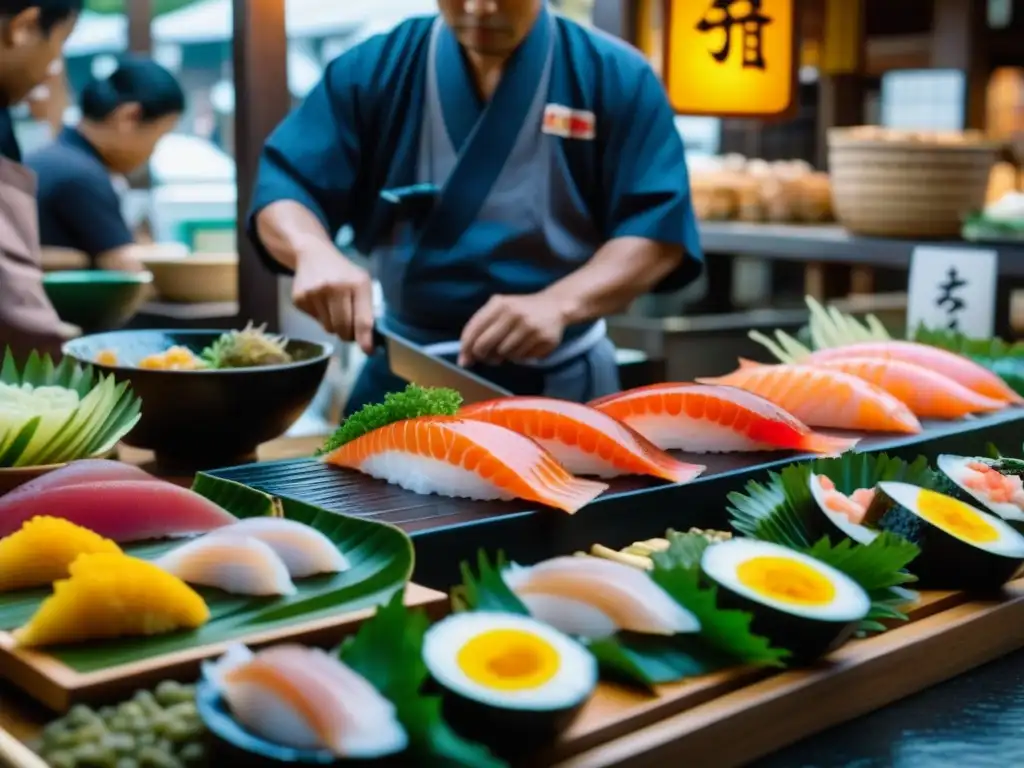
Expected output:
(122, 510)
(80, 472)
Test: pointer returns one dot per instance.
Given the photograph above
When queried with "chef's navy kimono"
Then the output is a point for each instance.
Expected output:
(456, 200)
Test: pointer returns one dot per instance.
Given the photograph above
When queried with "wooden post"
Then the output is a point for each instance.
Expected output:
(140, 21)
(262, 100)
(959, 42)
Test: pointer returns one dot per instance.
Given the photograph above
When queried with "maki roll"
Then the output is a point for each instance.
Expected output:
(842, 515)
(996, 484)
(961, 546)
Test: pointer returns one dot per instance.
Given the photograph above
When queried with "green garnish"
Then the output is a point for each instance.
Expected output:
(250, 347)
(387, 651)
(783, 511)
(643, 660)
(410, 403)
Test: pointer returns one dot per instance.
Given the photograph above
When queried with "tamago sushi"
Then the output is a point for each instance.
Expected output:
(42, 551)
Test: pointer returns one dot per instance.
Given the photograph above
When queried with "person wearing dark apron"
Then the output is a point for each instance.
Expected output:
(513, 176)
(31, 38)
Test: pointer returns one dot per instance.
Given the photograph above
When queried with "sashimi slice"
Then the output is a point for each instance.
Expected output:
(960, 369)
(584, 440)
(304, 550)
(701, 418)
(823, 397)
(928, 393)
(451, 456)
(593, 598)
(237, 564)
(305, 698)
(121, 510)
(76, 473)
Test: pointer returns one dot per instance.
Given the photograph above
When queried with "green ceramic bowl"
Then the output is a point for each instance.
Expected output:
(97, 300)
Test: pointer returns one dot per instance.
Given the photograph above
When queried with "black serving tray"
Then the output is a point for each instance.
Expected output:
(447, 531)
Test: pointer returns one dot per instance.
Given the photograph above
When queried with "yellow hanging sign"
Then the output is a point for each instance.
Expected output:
(732, 58)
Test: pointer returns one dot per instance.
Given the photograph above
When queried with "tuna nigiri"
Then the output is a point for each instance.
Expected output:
(956, 367)
(451, 456)
(928, 393)
(239, 565)
(121, 510)
(585, 440)
(304, 550)
(594, 598)
(712, 419)
(824, 398)
(307, 699)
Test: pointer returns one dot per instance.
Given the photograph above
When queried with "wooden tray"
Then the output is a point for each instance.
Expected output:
(58, 686)
(616, 712)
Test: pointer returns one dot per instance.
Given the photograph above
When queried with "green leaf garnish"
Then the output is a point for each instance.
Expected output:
(1003, 359)
(410, 403)
(388, 651)
(878, 567)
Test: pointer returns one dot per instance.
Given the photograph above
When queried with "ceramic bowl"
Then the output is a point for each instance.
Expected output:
(196, 279)
(97, 300)
(206, 419)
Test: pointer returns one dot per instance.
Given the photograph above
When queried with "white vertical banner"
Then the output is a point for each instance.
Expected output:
(953, 289)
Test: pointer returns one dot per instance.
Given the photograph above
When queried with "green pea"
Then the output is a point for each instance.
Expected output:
(146, 739)
(92, 731)
(192, 753)
(126, 762)
(131, 709)
(118, 723)
(80, 715)
(106, 713)
(183, 709)
(151, 757)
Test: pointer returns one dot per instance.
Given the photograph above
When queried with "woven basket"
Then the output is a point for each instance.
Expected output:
(907, 188)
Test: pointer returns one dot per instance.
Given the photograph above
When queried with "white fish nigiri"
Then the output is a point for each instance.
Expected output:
(305, 698)
(241, 565)
(593, 598)
(304, 550)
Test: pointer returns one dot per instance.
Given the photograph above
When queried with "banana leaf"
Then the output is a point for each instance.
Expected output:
(106, 412)
(381, 558)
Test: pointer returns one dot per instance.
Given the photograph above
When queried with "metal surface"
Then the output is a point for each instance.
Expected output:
(416, 364)
(262, 101)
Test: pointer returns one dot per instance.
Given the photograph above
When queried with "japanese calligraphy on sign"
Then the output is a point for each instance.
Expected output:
(724, 15)
(953, 289)
(731, 57)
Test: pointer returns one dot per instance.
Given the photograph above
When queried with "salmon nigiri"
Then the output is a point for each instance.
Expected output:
(823, 397)
(452, 456)
(957, 367)
(928, 393)
(585, 440)
(700, 418)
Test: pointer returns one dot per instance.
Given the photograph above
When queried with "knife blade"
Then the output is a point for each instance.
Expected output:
(416, 364)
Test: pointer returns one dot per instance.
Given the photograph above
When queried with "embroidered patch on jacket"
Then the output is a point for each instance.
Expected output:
(569, 123)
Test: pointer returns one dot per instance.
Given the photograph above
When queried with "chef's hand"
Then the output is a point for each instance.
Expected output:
(512, 328)
(336, 293)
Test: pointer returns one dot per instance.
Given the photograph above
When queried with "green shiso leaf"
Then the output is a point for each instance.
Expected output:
(1003, 359)
(643, 660)
(388, 651)
(784, 512)
(677, 571)
(410, 403)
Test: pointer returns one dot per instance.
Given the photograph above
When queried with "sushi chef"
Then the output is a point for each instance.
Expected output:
(514, 177)
(32, 33)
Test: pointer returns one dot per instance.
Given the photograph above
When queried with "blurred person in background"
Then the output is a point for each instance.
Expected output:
(515, 178)
(32, 34)
(124, 115)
